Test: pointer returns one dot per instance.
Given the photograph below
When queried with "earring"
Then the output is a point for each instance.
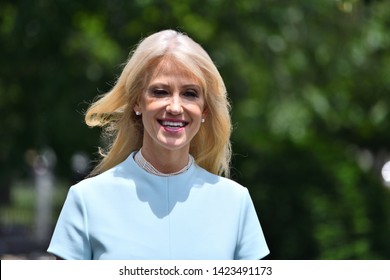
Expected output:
(138, 113)
(203, 120)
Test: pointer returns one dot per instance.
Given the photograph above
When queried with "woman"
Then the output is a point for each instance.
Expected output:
(158, 192)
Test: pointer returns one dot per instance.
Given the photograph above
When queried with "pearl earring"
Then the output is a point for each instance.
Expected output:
(203, 120)
(138, 113)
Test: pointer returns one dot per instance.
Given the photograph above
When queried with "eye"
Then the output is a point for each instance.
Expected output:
(158, 92)
(191, 93)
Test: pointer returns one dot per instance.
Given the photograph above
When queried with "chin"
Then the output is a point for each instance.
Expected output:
(174, 146)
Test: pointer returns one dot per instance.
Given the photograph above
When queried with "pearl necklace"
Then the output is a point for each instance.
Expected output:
(143, 163)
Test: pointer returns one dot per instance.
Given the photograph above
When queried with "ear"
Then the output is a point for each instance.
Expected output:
(137, 108)
(205, 112)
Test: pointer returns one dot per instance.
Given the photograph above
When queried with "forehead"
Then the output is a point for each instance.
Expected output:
(172, 69)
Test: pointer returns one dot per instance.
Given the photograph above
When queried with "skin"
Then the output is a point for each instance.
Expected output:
(172, 109)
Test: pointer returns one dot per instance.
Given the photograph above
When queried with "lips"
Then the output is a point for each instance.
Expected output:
(173, 124)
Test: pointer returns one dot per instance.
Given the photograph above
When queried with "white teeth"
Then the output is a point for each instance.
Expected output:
(174, 124)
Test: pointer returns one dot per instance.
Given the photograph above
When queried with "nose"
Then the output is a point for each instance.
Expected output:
(174, 106)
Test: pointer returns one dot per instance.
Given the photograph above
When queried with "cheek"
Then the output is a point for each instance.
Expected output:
(197, 112)
(202, 110)
(152, 106)
(200, 106)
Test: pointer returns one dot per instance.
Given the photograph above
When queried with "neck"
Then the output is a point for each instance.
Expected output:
(166, 161)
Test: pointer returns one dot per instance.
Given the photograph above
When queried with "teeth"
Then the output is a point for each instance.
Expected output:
(175, 124)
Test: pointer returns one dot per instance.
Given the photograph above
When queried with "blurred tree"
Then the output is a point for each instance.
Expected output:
(308, 82)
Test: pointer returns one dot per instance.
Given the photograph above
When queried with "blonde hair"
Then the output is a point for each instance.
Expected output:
(114, 111)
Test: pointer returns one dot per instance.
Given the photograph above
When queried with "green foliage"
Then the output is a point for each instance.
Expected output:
(308, 81)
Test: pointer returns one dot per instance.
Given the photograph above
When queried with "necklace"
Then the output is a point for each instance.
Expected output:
(143, 163)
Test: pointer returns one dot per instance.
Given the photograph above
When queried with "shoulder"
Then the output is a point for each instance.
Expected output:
(94, 182)
(219, 182)
(115, 177)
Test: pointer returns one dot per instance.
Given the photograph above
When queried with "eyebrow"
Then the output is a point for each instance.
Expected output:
(193, 86)
(165, 85)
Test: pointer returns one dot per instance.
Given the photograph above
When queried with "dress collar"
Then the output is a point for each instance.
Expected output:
(147, 166)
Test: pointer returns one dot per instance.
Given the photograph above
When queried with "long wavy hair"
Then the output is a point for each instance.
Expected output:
(123, 130)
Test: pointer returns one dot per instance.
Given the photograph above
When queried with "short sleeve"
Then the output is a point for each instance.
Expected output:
(70, 237)
(251, 242)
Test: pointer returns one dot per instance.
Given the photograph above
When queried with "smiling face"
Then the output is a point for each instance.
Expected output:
(172, 108)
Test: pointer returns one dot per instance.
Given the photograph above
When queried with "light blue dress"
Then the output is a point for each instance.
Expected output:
(127, 213)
